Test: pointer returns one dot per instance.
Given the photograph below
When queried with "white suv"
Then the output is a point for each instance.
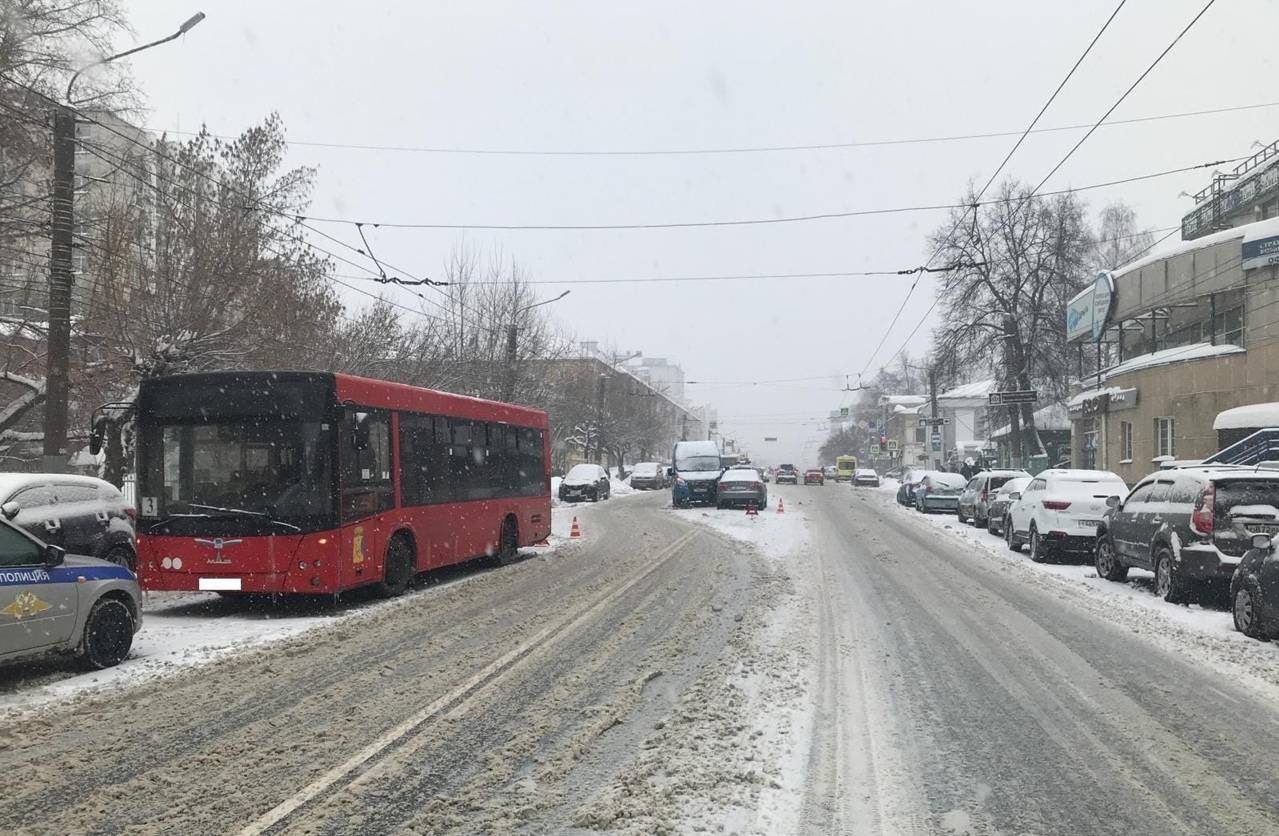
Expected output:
(1060, 511)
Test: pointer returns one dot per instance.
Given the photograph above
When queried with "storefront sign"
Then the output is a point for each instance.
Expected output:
(1088, 312)
(1122, 399)
(1262, 252)
(1094, 405)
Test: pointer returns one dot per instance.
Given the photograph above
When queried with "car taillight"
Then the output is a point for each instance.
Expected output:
(1201, 520)
(132, 512)
(1056, 505)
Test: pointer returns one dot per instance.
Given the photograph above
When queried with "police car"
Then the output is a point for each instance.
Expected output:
(52, 602)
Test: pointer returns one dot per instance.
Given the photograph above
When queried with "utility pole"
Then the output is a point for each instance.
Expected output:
(932, 428)
(59, 313)
(58, 357)
(508, 387)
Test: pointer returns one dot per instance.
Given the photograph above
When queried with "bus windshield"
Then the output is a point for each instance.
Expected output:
(276, 468)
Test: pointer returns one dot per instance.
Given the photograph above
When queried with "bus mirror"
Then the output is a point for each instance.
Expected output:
(360, 431)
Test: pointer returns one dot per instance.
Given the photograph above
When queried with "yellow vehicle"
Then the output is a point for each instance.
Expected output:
(844, 467)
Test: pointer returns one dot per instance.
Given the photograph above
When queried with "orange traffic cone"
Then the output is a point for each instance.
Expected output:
(576, 531)
(780, 508)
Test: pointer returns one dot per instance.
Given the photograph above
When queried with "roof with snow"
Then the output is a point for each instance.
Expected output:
(907, 410)
(902, 400)
(1247, 232)
(1180, 354)
(977, 389)
(1254, 416)
(1055, 416)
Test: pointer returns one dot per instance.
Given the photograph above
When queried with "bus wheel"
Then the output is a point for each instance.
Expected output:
(508, 545)
(398, 569)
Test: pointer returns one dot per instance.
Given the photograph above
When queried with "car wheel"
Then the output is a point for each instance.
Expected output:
(1245, 603)
(108, 634)
(1108, 564)
(959, 514)
(1169, 585)
(991, 528)
(978, 522)
(1038, 552)
(397, 571)
(121, 555)
(1010, 536)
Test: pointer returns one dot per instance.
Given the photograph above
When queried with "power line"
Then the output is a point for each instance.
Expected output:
(1081, 141)
(892, 210)
(977, 200)
(512, 152)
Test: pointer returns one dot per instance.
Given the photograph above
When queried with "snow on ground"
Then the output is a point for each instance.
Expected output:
(774, 671)
(1205, 632)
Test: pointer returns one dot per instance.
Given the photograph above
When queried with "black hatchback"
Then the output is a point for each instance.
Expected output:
(1190, 526)
(81, 514)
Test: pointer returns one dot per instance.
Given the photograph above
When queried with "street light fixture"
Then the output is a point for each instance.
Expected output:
(187, 25)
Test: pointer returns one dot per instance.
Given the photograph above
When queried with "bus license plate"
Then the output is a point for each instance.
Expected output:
(219, 584)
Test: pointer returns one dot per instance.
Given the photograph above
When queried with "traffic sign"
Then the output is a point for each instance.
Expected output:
(933, 422)
(843, 412)
(1013, 397)
(770, 438)
(936, 440)
(892, 445)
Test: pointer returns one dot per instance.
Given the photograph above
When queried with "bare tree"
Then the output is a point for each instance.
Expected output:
(1015, 263)
(1120, 238)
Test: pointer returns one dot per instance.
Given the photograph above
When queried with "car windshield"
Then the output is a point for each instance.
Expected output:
(274, 467)
(694, 464)
(645, 469)
(583, 473)
(739, 475)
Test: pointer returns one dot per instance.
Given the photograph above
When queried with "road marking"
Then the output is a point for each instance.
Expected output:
(491, 671)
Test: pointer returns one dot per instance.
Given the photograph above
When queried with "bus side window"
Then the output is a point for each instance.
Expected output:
(366, 470)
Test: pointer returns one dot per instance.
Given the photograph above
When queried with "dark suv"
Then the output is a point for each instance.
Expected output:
(1190, 526)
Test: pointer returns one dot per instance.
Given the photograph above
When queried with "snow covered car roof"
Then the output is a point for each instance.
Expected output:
(740, 474)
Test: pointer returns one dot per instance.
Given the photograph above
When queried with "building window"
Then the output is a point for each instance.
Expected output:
(1165, 441)
(1125, 440)
(921, 435)
(1088, 454)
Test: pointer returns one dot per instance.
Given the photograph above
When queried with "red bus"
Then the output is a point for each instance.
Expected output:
(313, 482)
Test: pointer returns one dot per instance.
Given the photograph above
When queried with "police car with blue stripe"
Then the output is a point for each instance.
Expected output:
(52, 602)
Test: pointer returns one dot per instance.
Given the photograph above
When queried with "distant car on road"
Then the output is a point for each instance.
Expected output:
(741, 486)
(814, 476)
(1254, 590)
(52, 602)
(830, 472)
(1060, 511)
(1190, 526)
(938, 491)
(974, 502)
(766, 475)
(81, 514)
(695, 468)
(585, 482)
(648, 476)
(865, 477)
(845, 467)
(1005, 495)
(787, 474)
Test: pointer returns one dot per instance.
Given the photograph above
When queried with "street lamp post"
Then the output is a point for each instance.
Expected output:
(512, 332)
(62, 231)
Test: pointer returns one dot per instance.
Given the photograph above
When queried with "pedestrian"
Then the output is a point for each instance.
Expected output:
(967, 469)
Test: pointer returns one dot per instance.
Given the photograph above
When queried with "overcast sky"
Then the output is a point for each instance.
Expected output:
(569, 76)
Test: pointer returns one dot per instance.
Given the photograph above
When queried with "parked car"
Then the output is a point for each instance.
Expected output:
(814, 476)
(974, 502)
(1005, 495)
(53, 602)
(787, 474)
(1190, 526)
(648, 476)
(1060, 511)
(741, 486)
(938, 491)
(81, 514)
(585, 482)
(906, 490)
(695, 468)
(1254, 590)
(865, 477)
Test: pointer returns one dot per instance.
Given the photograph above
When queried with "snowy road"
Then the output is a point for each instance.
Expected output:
(845, 667)
(972, 701)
